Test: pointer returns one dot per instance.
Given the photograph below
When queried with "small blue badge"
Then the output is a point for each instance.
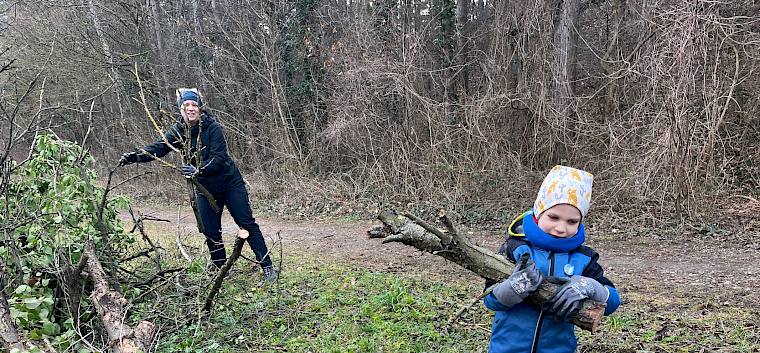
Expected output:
(569, 269)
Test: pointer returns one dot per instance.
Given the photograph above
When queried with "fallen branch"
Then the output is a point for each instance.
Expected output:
(158, 275)
(139, 225)
(410, 230)
(242, 235)
(110, 307)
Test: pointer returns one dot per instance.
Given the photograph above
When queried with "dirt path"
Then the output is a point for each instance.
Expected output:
(714, 270)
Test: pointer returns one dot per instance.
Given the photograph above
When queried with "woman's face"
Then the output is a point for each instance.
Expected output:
(561, 221)
(191, 112)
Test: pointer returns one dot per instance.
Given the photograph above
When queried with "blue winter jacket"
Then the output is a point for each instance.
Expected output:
(524, 328)
(217, 172)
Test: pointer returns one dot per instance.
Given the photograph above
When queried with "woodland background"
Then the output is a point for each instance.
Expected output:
(351, 107)
(461, 103)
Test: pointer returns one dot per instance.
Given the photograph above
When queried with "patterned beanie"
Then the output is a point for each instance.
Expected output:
(564, 185)
(184, 94)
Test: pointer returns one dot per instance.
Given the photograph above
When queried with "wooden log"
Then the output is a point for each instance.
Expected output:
(449, 244)
(110, 307)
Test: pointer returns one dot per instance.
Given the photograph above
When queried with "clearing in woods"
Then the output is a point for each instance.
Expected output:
(689, 282)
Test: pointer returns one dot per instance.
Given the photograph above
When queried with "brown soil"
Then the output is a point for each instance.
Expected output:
(716, 270)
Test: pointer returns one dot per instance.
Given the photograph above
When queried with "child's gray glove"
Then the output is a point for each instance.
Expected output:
(566, 303)
(524, 280)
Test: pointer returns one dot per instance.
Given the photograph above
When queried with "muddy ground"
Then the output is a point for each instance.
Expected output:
(720, 268)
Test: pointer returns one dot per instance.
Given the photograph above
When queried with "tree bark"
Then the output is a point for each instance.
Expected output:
(110, 307)
(410, 230)
(116, 78)
(611, 56)
(163, 85)
(463, 47)
(564, 57)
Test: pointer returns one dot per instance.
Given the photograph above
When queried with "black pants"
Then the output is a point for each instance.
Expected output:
(236, 200)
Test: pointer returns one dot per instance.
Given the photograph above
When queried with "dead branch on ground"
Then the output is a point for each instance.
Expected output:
(110, 307)
(242, 236)
(138, 221)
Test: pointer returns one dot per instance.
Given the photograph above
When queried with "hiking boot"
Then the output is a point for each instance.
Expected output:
(270, 274)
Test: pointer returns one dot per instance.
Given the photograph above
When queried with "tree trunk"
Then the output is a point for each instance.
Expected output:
(110, 307)
(410, 230)
(163, 85)
(463, 47)
(564, 57)
(115, 76)
(611, 56)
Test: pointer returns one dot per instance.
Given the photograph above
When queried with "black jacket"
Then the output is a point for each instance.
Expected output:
(217, 172)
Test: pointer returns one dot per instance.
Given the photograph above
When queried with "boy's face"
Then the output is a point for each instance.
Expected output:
(561, 221)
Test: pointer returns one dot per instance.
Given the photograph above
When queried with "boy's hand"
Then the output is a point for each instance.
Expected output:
(566, 303)
(523, 281)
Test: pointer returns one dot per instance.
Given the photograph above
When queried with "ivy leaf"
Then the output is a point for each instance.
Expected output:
(21, 289)
(32, 303)
(50, 328)
(35, 334)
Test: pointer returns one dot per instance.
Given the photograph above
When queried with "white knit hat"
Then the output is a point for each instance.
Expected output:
(564, 185)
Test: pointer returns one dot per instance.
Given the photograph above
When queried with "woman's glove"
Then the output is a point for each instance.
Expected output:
(128, 158)
(188, 171)
(566, 303)
(523, 281)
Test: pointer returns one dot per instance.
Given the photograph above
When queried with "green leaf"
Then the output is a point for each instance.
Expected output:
(21, 289)
(32, 303)
(21, 315)
(35, 334)
(50, 328)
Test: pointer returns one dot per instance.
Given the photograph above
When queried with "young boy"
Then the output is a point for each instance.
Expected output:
(552, 233)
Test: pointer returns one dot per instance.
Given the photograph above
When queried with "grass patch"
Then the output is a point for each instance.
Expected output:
(654, 324)
(331, 308)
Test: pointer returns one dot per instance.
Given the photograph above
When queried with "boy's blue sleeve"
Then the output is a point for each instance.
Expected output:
(494, 304)
(595, 271)
(613, 302)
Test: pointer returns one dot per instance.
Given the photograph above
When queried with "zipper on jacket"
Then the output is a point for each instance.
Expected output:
(537, 332)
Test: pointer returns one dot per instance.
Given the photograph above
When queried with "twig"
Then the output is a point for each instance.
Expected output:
(182, 248)
(467, 307)
(158, 275)
(139, 224)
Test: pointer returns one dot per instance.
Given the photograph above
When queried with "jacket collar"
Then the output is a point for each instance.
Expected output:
(541, 239)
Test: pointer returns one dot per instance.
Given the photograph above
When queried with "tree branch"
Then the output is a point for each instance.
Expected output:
(415, 232)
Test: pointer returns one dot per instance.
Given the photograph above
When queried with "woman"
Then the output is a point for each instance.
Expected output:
(211, 165)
